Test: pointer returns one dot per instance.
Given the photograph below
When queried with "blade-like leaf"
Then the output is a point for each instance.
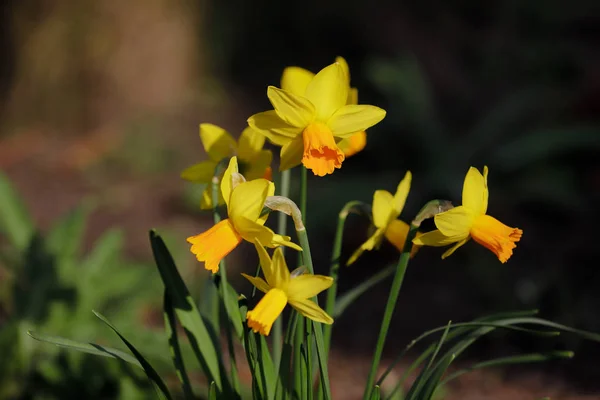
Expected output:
(212, 391)
(511, 360)
(65, 238)
(161, 389)
(205, 347)
(90, 348)
(15, 221)
(351, 295)
(171, 328)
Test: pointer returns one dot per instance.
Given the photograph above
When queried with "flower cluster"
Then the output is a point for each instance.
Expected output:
(317, 122)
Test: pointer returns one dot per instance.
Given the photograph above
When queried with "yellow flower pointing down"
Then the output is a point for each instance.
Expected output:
(219, 144)
(469, 220)
(244, 202)
(296, 80)
(307, 125)
(282, 288)
(386, 209)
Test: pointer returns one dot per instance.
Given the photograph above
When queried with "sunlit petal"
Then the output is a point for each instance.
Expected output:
(455, 222)
(475, 192)
(250, 144)
(307, 285)
(258, 282)
(295, 110)
(278, 131)
(217, 142)
(200, 173)
(383, 203)
(328, 91)
(350, 119)
(296, 80)
(248, 198)
(310, 310)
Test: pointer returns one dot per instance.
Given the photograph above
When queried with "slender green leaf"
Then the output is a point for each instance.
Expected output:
(204, 344)
(161, 389)
(171, 328)
(15, 221)
(421, 380)
(511, 360)
(90, 348)
(376, 393)
(351, 295)
(212, 391)
(435, 377)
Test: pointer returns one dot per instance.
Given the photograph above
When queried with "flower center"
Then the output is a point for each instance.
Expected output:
(213, 245)
(497, 237)
(321, 154)
(267, 310)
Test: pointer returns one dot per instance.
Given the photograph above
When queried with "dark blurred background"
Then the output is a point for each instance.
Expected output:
(102, 100)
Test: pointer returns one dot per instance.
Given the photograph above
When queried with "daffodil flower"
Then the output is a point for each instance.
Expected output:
(245, 201)
(219, 144)
(307, 125)
(386, 209)
(283, 288)
(296, 80)
(470, 220)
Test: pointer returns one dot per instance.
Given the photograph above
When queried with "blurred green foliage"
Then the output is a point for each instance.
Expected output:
(50, 287)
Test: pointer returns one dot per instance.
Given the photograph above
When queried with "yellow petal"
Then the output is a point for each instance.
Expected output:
(226, 180)
(475, 191)
(206, 200)
(307, 285)
(345, 69)
(257, 167)
(251, 230)
(354, 144)
(401, 194)
(456, 246)
(396, 233)
(295, 110)
(371, 243)
(267, 310)
(296, 80)
(213, 245)
(328, 91)
(250, 144)
(278, 131)
(258, 282)
(455, 222)
(352, 97)
(291, 154)
(350, 119)
(383, 203)
(280, 273)
(437, 239)
(495, 236)
(248, 198)
(309, 309)
(217, 142)
(200, 173)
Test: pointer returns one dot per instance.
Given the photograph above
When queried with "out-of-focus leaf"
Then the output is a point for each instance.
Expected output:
(161, 389)
(543, 144)
(90, 348)
(15, 221)
(351, 295)
(64, 241)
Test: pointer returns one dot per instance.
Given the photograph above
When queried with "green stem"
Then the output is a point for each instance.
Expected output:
(389, 308)
(222, 273)
(335, 266)
(281, 229)
(316, 328)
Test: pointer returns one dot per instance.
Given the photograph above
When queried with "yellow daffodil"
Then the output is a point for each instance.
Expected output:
(282, 288)
(296, 80)
(469, 220)
(245, 201)
(219, 144)
(307, 125)
(386, 209)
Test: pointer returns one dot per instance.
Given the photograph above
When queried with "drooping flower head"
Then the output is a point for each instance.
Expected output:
(281, 288)
(296, 80)
(470, 220)
(307, 125)
(386, 209)
(245, 201)
(254, 162)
